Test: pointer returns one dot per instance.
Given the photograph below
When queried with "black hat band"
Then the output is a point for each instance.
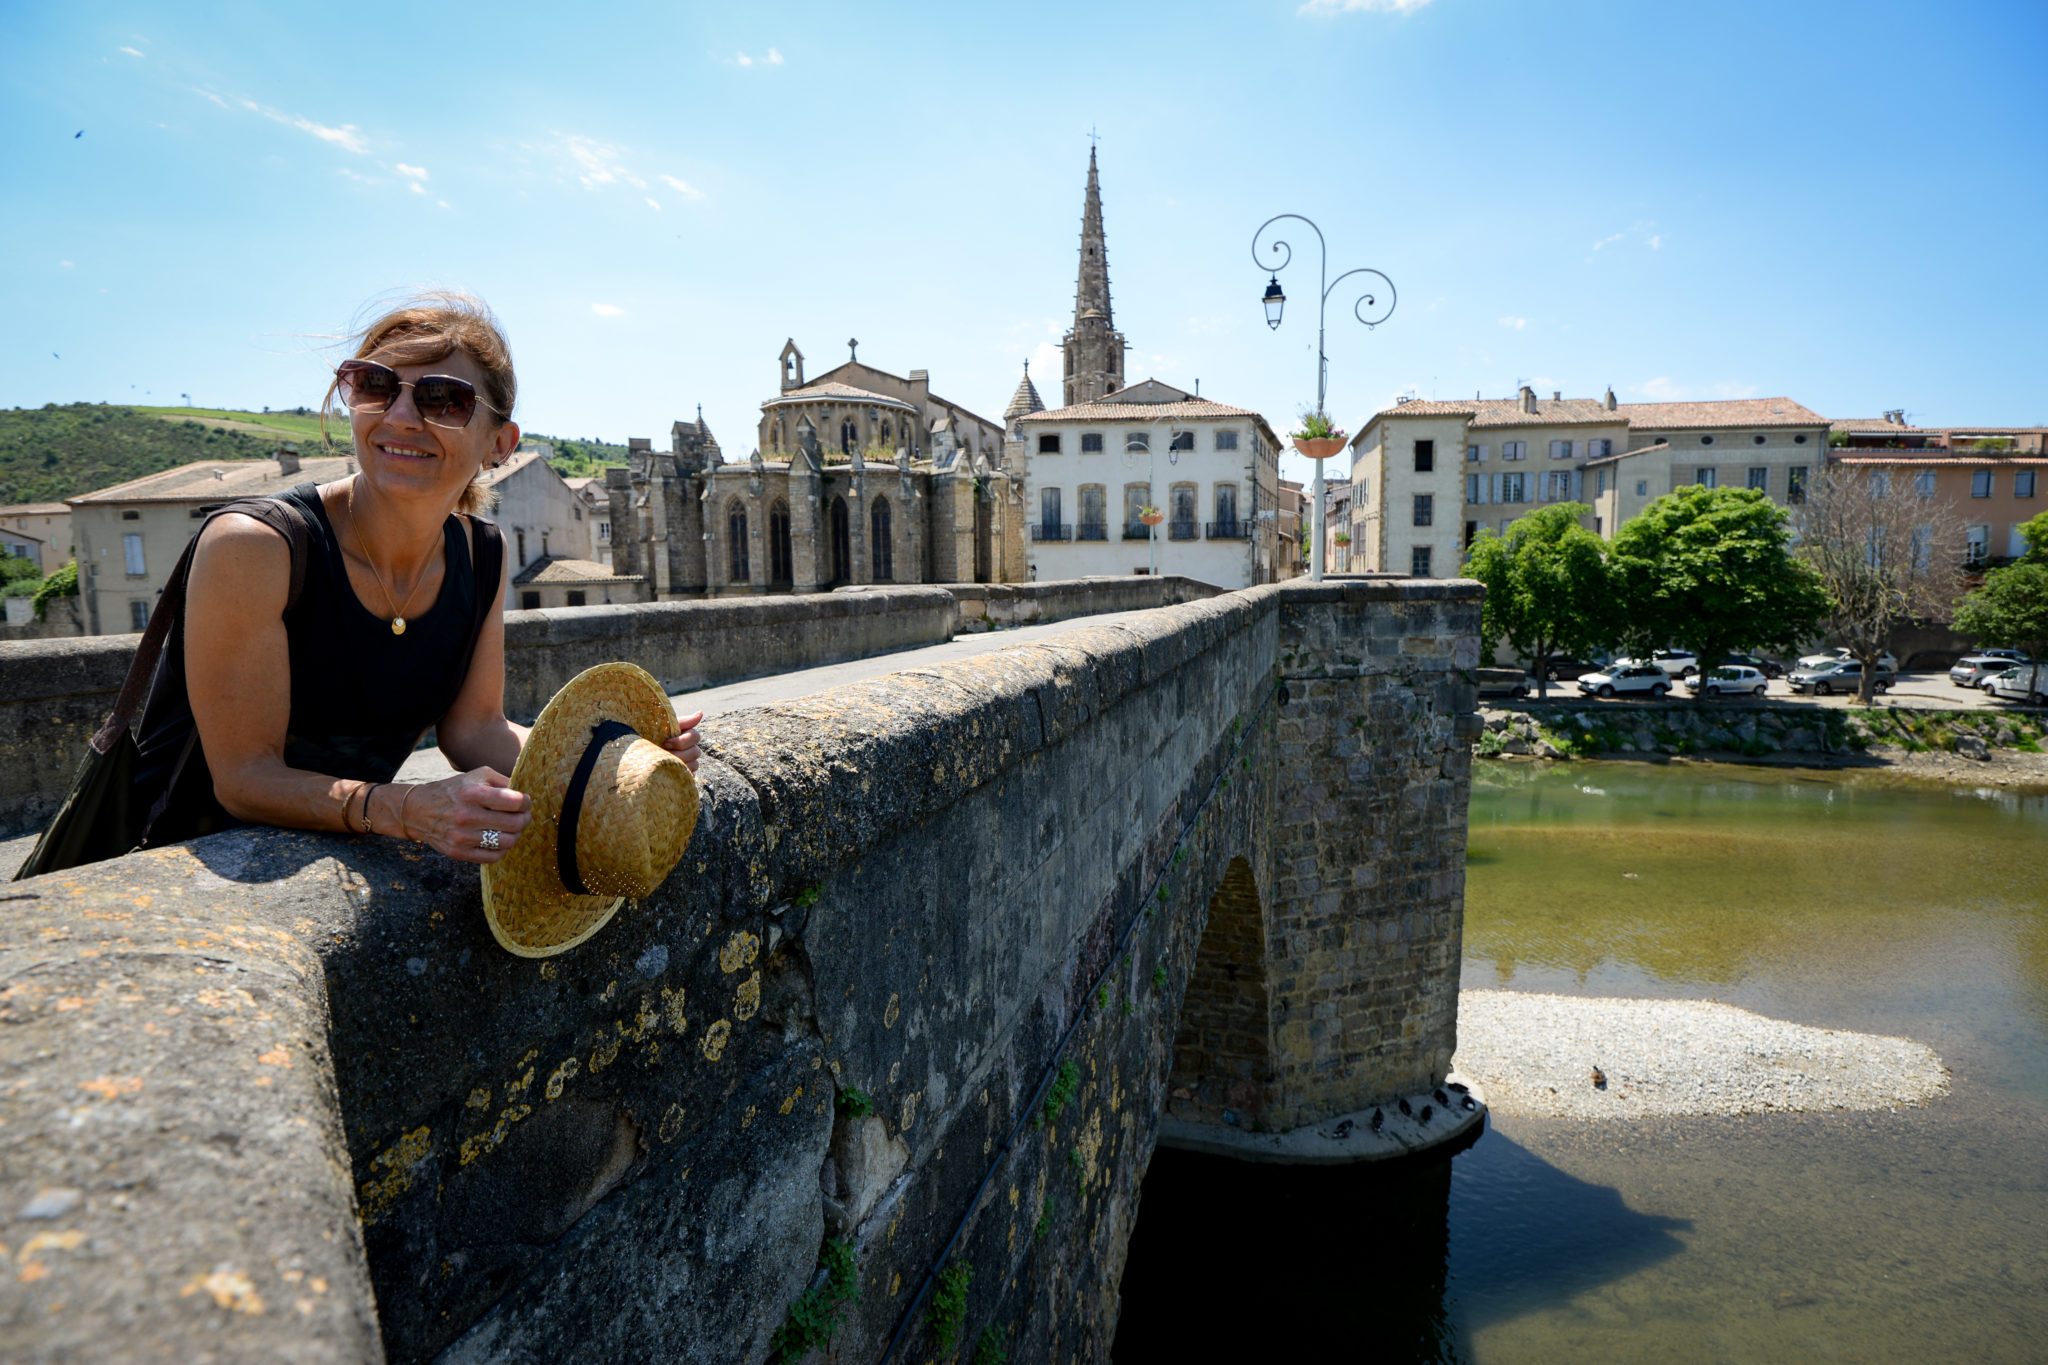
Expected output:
(601, 733)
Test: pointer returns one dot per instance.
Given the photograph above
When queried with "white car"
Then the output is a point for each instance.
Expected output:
(1675, 663)
(1731, 681)
(1618, 678)
(1885, 662)
(2014, 684)
(1973, 669)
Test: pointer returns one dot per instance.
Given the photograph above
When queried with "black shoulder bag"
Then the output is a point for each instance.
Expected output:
(96, 820)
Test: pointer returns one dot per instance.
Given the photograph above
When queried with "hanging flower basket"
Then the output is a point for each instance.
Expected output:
(1342, 538)
(1317, 437)
(1151, 516)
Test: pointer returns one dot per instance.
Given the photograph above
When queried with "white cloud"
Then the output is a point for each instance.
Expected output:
(131, 51)
(1516, 323)
(443, 203)
(411, 172)
(653, 203)
(773, 58)
(1352, 6)
(358, 176)
(208, 94)
(1046, 360)
(597, 165)
(347, 136)
(682, 187)
(66, 265)
(607, 310)
(1609, 241)
(1660, 389)
(1657, 242)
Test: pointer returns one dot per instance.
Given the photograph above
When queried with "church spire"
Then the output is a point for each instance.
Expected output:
(1094, 348)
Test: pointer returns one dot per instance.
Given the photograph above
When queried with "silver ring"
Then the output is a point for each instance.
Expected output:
(489, 838)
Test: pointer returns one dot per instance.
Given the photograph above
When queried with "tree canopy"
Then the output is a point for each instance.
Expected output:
(2011, 610)
(1711, 569)
(1547, 587)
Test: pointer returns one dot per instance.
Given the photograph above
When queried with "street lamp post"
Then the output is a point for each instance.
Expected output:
(1276, 301)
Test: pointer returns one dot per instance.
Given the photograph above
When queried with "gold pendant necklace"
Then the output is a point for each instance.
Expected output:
(397, 612)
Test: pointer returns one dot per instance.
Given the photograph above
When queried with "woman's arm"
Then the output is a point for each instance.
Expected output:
(238, 672)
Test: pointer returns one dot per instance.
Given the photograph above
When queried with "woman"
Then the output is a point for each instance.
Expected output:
(380, 643)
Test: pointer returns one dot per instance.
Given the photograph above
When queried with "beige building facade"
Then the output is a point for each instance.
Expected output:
(1773, 445)
(39, 531)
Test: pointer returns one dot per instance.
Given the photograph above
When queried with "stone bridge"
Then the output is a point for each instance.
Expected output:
(950, 950)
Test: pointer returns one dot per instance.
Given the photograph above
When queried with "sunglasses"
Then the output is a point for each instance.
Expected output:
(441, 399)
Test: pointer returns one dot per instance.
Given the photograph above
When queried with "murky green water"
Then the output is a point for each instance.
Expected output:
(1843, 901)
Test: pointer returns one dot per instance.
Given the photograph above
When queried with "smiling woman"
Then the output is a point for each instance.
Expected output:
(386, 616)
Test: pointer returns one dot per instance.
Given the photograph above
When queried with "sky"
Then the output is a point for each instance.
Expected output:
(1842, 203)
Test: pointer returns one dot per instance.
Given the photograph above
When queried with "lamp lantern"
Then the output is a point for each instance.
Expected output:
(1275, 301)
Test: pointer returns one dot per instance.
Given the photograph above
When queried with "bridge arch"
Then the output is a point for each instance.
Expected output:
(1222, 1068)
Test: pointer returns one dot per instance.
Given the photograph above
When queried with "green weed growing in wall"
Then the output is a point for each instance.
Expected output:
(808, 897)
(853, 1103)
(814, 1316)
(1056, 1096)
(947, 1311)
(1159, 978)
(1044, 1221)
(988, 1347)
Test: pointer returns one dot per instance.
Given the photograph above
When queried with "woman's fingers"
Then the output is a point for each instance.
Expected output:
(685, 744)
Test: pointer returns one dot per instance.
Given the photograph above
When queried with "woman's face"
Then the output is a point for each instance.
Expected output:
(403, 455)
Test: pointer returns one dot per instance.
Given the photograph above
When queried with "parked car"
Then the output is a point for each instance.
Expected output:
(1504, 682)
(1885, 661)
(1761, 665)
(2018, 656)
(1972, 669)
(1730, 681)
(2015, 684)
(1619, 678)
(1676, 663)
(1564, 668)
(1839, 675)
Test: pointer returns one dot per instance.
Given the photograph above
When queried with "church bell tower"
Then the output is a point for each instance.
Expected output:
(1094, 349)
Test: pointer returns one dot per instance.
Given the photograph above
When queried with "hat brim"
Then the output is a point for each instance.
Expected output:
(529, 912)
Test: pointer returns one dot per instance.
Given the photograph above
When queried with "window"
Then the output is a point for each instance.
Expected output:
(1226, 507)
(1881, 482)
(1425, 509)
(1760, 477)
(1475, 454)
(579, 513)
(1980, 483)
(1706, 440)
(1226, 439)
(1511, 489)
(1361, 485)
(1182, 440)
(520, 540)
(1642, 488)
(577, 598)
(1471, 533)
(882, 546)
(1558, 486)
(1596, 526)
(1596, 449)
(604, 533)
(529, 601)
(1756, 440)
(1138, 441)
(736, 534)
(779, 560)
(1800, 439)
(131, 550)
(2023, 483)
(1418, 561)
(1513, 450)
(1795, 484)
(1923, 483)
(1706, 476)
(1425, 456)
(131, 516)
(1976, 544)
(1136, 495)
(1091, 443)
(1094, 514)
(839, 530)
(1474, 484)
(138, 614)
(1560, 450)
(543, 544)
(1049, 445)
(1182, 524)
(1048, 513)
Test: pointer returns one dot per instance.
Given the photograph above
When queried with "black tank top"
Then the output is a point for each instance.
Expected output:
(361, 697)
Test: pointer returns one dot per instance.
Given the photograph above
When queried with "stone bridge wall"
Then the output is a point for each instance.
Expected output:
(914, 989)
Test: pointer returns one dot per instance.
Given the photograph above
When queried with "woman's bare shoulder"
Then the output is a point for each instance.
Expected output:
(237, 534)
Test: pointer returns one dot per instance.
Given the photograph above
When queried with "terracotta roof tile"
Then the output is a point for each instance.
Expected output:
(1727, 412)
(1139, 412)
(218, 481)
(559, 569)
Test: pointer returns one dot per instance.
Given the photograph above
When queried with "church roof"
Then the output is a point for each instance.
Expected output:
(1026, 399)
(833, 392)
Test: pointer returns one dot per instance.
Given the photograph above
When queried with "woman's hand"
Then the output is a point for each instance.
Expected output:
(453, 814)
(684, 745)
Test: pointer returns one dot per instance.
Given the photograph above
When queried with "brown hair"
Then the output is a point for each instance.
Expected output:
(429, 327)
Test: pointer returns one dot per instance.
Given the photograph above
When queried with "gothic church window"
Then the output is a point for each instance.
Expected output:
(736, 539)
(884, 550)
(778, 544)
(842, 543)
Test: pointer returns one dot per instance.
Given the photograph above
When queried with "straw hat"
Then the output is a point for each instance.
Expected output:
(596, 771)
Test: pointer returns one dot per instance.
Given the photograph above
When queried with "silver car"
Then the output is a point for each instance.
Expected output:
(1973, 669)
(1733, 680)
(1840, 676)
(1617, 679)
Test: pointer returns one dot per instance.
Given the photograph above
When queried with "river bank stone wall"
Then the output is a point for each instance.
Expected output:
(1746, 729)
(900, 1029)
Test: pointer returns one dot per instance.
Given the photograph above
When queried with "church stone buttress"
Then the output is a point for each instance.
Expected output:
(1094, 348)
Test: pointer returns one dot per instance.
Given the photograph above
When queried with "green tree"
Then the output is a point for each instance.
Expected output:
(1547, 589)
(2035, 532)
(2011, 610)
(1711, 569)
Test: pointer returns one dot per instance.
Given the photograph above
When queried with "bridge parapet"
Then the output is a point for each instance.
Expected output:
(915, 991)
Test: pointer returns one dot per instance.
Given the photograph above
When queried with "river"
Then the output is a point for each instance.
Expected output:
(1837, 900)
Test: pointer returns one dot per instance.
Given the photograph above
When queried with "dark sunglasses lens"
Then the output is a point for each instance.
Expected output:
(367, 387)
(444, 401)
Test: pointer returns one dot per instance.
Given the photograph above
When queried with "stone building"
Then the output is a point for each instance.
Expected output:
(1093, 348)
(39, 531)
(869, 478)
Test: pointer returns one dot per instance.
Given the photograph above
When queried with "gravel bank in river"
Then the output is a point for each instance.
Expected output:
(1535, 1055)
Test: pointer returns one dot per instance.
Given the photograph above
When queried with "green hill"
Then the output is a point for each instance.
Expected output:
(55, 452)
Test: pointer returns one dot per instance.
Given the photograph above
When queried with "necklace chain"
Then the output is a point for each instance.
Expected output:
(397, 612)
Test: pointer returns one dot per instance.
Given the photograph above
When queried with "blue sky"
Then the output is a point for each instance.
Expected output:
(1838, 202)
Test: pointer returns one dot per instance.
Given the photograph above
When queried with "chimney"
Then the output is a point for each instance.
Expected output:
(288, 458)
(1528, 399)
(1610, 398)
(1557, 395)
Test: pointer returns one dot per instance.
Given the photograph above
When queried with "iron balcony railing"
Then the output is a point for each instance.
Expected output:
(1230, 530)
(1046, 530)
(1180, 530)
(1137, 530)
(1092, 530)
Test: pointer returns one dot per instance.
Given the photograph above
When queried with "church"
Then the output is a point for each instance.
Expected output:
(867, 478)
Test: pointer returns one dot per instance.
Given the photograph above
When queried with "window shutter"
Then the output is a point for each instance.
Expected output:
(1482, 454)
(1496, 488)
(1578, 485)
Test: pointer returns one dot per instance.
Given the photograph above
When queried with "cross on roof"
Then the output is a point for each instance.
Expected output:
(852, 348)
